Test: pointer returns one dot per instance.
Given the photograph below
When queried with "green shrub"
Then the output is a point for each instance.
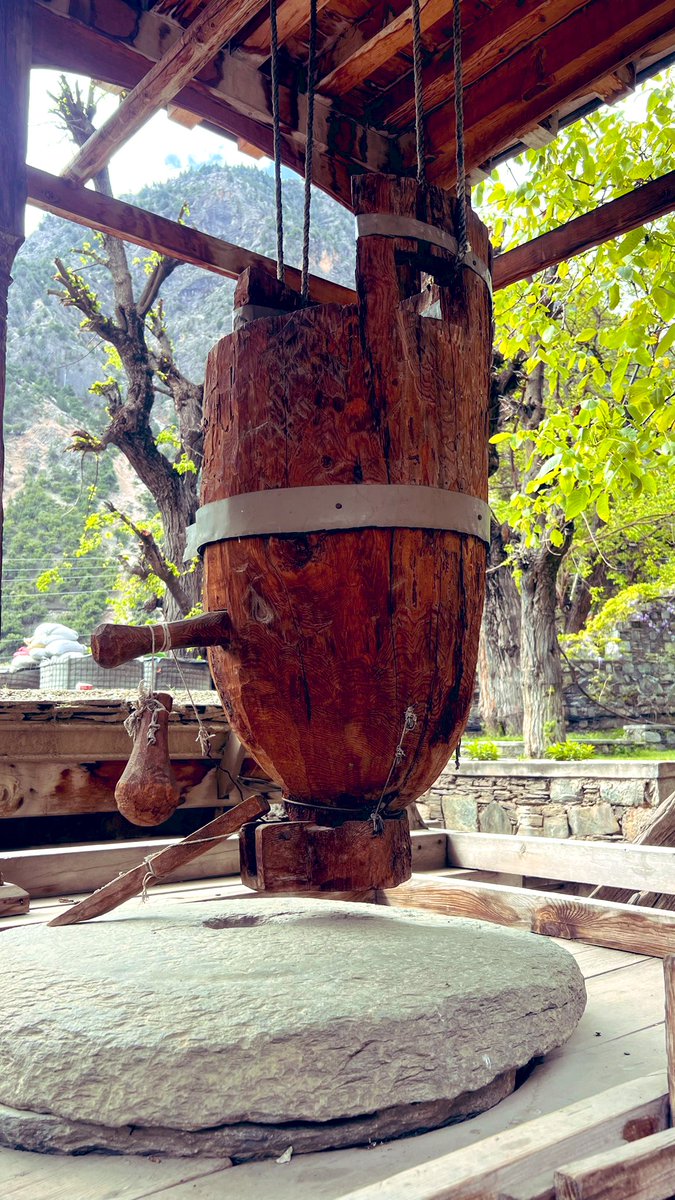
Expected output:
(482, 751)
(570, 751)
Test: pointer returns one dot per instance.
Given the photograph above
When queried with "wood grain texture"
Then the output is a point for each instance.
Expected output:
(148, 792)
(482, 1170)
(212, 28)
(112, 894)
(669, 984)
(112, 645)
(618, 926)
(642, 1170)
(660, 831)
(337, 634)
(13, 899)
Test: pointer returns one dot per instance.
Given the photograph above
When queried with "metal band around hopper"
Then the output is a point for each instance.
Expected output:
(393, 226)
(334, 507)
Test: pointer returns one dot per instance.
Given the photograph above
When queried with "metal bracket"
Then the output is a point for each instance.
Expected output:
(393, 226)
(337, 506)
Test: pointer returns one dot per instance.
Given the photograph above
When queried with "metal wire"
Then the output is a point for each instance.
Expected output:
(309, 149)
(276, 127)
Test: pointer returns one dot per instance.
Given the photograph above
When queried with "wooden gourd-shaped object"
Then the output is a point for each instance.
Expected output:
(148, 792)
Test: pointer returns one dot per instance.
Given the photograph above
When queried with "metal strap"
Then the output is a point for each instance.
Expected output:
(393, 226)
(242, 316)
(337, 506)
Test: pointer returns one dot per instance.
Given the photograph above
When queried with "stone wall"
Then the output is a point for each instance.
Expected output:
(550, 799)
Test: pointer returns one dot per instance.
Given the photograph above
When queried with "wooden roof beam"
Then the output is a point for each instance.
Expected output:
(292, 16)
(214, 26)
(53, 193)
(370, 43)
(486, 44)
(636, 208)
(235, 100)
(518, 95)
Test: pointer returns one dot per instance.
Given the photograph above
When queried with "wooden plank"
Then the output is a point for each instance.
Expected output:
(636, 208)
(659, 831)
(219, 21)
(533, 83)
(642, 1170)
(25, 1176)
(517, 1155)
(619, 926)
(163, 863)
(669, 982)
(622, 863)
(67, 870)
(13, 899)
(54, 194)
(292, 16)
(367, 46)
(487, 42)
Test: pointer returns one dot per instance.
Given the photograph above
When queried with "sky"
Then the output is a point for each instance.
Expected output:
(159, 151)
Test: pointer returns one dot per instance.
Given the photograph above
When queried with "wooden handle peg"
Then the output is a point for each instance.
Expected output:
(113, 645)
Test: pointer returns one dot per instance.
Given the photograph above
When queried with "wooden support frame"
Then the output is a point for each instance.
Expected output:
(598, 922)
(52, 193)
(517, 1156)
(215, 25)
(641, 1170)
(643, 204)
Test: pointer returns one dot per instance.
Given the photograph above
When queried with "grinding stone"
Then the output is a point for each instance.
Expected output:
(241, 1027)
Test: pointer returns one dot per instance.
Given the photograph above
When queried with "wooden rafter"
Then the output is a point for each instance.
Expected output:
(230, 96)
(368, 45)
(485, 45)
(291, 16)
(500, 106)
(218, 22)
(610, 220)
(52, 193)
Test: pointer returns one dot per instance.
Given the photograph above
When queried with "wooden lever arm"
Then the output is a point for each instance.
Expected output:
(112, 645)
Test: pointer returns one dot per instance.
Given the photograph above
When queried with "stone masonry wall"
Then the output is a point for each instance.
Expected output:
(521, 798)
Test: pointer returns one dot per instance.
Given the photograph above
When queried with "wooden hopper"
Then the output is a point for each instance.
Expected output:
(351, 605)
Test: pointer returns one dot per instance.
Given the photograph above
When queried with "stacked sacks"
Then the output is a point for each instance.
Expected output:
(50, 640)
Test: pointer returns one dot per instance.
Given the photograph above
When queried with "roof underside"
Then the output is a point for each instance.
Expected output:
(529, 67)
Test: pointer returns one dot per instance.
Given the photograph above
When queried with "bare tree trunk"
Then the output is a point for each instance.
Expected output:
(543, 700)
(580, 600)
(499, 678)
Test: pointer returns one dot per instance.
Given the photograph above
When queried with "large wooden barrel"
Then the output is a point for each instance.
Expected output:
(338, 633)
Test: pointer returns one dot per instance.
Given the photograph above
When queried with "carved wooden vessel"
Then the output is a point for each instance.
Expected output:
(336, 634)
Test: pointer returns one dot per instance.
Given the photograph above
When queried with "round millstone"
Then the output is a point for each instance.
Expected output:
(244, 1027)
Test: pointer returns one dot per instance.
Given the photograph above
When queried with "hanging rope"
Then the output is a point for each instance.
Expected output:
(309, 149)
(419, 96)
(462, 239)
(276, 126)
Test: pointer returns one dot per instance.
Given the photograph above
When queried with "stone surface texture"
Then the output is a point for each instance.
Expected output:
(589, 799)
(242, 1027)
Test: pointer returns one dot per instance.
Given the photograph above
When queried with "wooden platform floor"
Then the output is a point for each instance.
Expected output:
(620, 1037)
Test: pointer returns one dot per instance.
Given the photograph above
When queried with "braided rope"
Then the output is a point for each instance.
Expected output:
(419, 95)
(276, 126)
(309, 150)
(462, 238)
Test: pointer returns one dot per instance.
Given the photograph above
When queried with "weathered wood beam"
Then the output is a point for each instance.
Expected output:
(487, 42)
(642, 1170)
(369, 44)
(214, 25)
(642, 868)
(15, 60)
(229, 95)
(643, 204)
(511, 99)
(486, 1168)
(292, 16)
(54, 194)
(669, 983)
(617, 926)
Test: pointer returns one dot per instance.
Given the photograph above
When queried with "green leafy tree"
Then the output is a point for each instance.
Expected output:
(593, 421)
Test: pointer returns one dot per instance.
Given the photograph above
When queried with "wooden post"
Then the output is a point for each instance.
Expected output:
(15, 60)
(669, 980)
